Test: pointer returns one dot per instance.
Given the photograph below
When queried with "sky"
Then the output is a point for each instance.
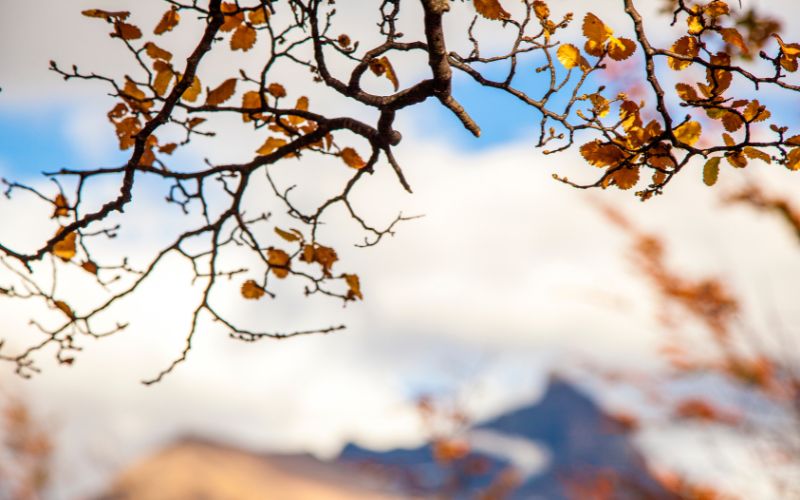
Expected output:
(507, 275)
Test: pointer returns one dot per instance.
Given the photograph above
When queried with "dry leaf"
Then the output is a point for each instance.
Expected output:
(252, 290)
(65, 248)
(222, 93)
(352, 158)
(491, 9)
(168, 21)
(243, 38)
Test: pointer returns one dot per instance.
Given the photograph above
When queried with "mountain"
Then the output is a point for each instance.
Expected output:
(569, 441)
(563, 446)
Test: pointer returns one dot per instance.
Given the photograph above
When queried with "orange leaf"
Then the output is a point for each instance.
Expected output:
(684, 46)
(270, 145)
(63, 307)
(277, 90)
(352, 158)
(61, 206)
(354, 285)
(620, 49)
(279, 262)
(490, 9)
(295, 235)
(595, 30)
(243, 38)
(156, 52)
(193, 91)
(104, 14)
(126, 31)
(65, 248)
(252, 290)
(222, 93)
(168, 21)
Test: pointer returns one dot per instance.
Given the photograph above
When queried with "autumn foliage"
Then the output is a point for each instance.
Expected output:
(704, 111)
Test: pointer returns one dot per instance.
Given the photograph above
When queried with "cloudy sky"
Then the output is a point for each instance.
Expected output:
(507, 274)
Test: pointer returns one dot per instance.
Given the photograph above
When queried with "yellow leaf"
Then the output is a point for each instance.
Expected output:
(600, 105)
(711, 171)
(695, 24)
(354, 286)
(231, 22)
(222, 93)
(270, 145)
(352, 158)
(156, 52)
(168, 21)
(620, 49)
(756, 112)
(541, 10)
(243, 38)
(65, 248)
(278, 261)
(595, 30)
(688, 133)
(490, 9)
(569, 55)
(193, 91)
(793, 159)
(252, 290)
(61, 206)
(684, 46)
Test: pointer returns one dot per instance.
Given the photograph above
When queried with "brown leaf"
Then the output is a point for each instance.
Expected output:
(63, 307)
(258, 16)
(104, 14)
(382, 66)
(244, 38)
(295, 235)
(156, 52)
(193, 92)
(89, 267)
(354, 286)
(163, 78)
(279, 262)
(252, 290)
(276, 90)
(168, 21)
(126, 31)
(620, 49)
(222, 93)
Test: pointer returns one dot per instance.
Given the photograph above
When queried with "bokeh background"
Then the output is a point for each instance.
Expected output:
(508, 278)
